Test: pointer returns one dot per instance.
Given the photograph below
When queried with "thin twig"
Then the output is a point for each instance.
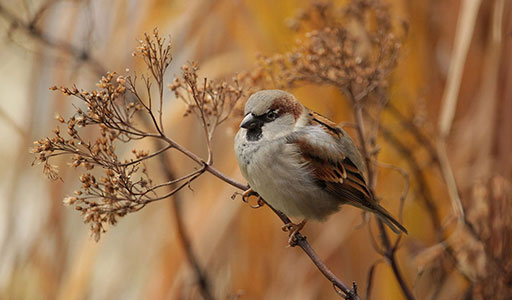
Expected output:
(389, 249)
(422, 182)
(409, 125)
(147, 156)
(369, 281)
(405, 190)
(301, 241)
(31, 29)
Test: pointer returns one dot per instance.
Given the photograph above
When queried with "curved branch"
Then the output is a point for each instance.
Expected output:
(300, 240)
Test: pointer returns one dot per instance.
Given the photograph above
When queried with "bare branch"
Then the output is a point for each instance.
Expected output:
(30, 28)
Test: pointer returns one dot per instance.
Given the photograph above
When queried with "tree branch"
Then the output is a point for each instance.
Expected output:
(30, 29)
(300, 240)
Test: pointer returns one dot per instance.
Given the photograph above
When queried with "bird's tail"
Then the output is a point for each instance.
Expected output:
(386, 217)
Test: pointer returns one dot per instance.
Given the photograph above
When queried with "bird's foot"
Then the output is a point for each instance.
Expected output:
(250, 192)
(293, 229)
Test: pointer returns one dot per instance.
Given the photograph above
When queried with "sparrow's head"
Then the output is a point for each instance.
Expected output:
(270, 114)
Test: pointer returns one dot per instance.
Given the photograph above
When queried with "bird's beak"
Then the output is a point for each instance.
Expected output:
(250, 122)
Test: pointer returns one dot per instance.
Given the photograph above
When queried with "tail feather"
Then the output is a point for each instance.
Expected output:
(386, 217)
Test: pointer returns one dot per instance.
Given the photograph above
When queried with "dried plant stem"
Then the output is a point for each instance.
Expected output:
(449, 178)
(423, 186)
(369, 281)
(410, 126)
(12, 123)
(301, 241)
(30, 29)
(306, 247)
(202, 279)
(158, 70)
(358, 114)
(465, 27)
(417, 171)
(183, 237)
(389, 249)
(390, 254)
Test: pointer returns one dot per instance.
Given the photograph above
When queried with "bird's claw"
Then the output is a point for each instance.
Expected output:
(293, 230)
(250, 192)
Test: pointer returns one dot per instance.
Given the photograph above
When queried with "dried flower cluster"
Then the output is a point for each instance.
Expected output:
(478, 249)
(353, 48)
(491, 226)
(481, 248)
(211, 102)
(124, 185)
(156, 53)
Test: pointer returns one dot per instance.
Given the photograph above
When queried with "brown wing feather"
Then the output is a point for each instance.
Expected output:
(330, 126)
(351, 189)
(342, 178)
(335, 176)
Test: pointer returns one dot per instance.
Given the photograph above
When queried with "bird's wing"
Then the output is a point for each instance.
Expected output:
(333, 160)
(336, 165)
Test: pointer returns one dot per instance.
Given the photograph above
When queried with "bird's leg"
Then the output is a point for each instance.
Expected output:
(293, 229)
(250, 192)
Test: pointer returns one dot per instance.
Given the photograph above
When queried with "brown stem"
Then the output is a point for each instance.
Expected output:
(423, 187)
(416, 132)
(301, 241)
(202, 279)
(304, 245)
(30, 29)
(389, 249)
(390, 254)
(358, 114)
(185, 242)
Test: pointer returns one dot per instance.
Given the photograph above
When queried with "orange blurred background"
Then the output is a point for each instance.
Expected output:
(45, 249)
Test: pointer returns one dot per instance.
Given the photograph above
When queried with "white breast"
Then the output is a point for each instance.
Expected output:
(277, 172)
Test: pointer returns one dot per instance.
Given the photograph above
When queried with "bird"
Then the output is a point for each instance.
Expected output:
(301, 163)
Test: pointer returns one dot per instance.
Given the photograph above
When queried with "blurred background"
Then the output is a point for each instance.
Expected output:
(46, 251)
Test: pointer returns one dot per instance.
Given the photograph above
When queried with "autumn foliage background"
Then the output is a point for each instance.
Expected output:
(46, 251)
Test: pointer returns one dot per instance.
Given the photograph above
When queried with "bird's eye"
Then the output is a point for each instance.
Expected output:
(271, 115)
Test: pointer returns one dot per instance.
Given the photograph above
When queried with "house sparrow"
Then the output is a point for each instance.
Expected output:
(300, 162)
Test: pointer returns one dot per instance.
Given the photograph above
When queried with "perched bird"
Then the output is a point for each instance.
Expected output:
(300, 162)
